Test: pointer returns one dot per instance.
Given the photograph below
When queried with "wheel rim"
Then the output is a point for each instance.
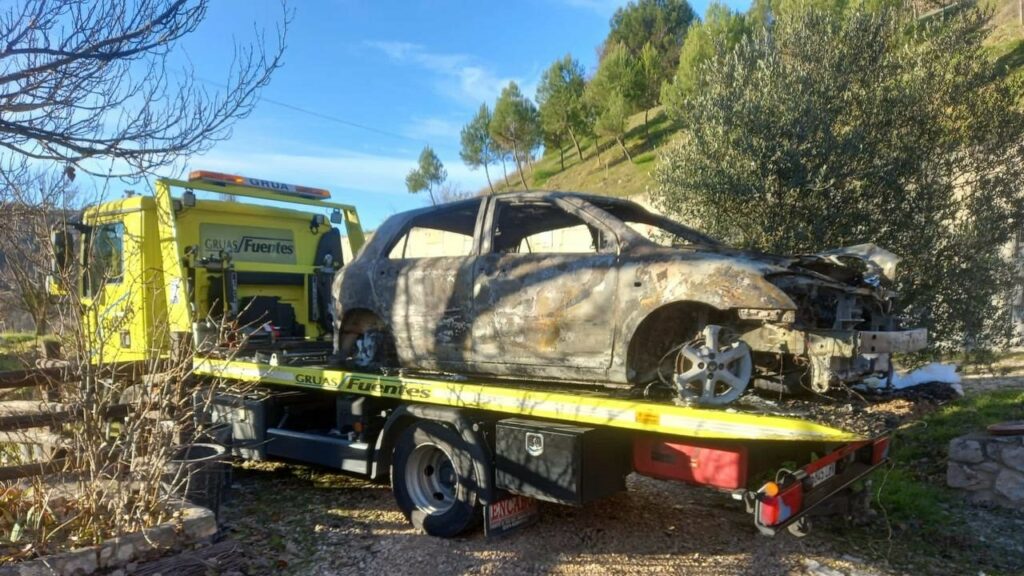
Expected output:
(711, 373)
(366, 350)
(431, 479)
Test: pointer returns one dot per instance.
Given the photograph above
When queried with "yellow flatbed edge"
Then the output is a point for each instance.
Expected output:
(559, 405)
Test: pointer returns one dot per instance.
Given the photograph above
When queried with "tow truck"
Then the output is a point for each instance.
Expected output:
(162, 275)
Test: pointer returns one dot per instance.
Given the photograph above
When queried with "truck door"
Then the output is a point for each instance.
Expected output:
(544, 287)
(112, 288)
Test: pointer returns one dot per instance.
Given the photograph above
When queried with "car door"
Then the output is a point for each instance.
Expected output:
(423, 286)
(544, 287)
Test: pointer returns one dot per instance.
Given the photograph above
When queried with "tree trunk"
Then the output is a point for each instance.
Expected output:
(576, 142)
(488, 174)
(561, 150)
(41, 324)
(647, 110)
(519, 165)
(432, 201)
(624, 150)
(597, 150)
(504, 169)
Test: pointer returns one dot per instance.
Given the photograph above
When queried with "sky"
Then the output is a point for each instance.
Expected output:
(366, 84)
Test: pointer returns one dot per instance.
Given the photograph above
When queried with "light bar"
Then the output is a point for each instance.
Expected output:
(278, 187)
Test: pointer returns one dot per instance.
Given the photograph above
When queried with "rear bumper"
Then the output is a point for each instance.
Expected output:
(800, 492)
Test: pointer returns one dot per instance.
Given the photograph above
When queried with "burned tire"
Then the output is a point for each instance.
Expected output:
(434, 480)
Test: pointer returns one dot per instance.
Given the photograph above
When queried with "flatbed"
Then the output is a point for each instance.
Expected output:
(721, 449)
(558, 403)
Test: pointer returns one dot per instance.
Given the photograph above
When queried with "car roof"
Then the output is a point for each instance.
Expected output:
(452, 216)
(595, 199)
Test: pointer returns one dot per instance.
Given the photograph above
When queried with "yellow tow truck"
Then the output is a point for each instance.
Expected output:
(243, 289)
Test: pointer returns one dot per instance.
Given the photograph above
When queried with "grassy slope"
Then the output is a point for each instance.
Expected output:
(612, 175)
(619, 177)
(1006, 41)
(931, 531)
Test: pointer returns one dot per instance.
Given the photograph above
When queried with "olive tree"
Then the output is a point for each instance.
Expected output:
(825, 129)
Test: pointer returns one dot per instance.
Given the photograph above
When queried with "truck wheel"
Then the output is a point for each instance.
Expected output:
(434, 481)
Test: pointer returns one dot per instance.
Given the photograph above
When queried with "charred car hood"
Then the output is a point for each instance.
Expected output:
(860, 266)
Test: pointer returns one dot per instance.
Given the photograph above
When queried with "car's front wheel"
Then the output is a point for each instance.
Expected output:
(713, 369)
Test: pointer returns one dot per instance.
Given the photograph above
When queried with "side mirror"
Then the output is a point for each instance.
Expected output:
(336, 216)
(63, 251)
(63, 260)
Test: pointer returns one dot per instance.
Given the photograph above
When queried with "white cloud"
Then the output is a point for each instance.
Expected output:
(429, 129)
(473, 83)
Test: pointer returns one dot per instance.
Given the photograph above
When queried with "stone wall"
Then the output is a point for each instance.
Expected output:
(990, 468)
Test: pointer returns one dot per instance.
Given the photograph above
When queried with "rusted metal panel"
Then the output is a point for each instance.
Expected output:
(892, 342)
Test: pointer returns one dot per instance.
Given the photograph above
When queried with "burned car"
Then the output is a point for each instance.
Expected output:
(557, 286)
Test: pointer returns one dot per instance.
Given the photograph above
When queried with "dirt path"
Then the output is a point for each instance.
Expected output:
(301, 521)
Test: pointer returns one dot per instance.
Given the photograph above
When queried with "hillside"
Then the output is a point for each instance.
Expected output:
(614, 175)
(611, 174)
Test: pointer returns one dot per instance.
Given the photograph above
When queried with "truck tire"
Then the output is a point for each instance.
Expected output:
(433, 479)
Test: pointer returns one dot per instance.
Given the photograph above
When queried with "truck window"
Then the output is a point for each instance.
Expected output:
(106, 257)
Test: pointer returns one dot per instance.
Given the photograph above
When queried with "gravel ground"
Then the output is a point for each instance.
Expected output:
(299, 520)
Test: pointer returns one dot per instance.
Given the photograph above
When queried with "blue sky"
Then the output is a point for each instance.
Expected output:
(413, 71)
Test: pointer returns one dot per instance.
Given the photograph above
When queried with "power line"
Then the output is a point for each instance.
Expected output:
(339, 120)
(321, 115)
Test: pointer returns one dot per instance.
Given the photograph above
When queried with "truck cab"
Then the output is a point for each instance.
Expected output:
(218, 270)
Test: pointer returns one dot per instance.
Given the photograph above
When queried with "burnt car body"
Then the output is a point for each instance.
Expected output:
(573, 287)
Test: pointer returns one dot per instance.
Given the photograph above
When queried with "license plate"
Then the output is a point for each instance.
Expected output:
(822, 474)
(509, 514)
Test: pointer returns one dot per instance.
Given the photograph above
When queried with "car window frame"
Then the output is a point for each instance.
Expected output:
(487, 230)
(410, 223)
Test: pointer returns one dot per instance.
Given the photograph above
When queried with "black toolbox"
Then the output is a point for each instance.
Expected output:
(560, 463)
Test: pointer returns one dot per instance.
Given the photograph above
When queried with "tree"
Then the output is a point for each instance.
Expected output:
(611, 93)
(478, 148)
(842, 128)
(647, 81)
(660, 23)
(561, 105)
(515, 125)
(721, 30)
(33, 203)
(86, 80)
(428, 175)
